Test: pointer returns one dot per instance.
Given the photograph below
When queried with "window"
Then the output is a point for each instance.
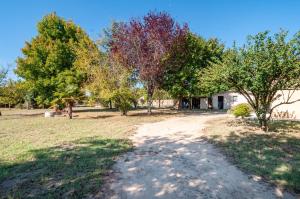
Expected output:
(234, 98)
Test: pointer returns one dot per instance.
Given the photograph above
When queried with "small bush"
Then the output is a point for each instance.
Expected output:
(241, 110)
(123, 100)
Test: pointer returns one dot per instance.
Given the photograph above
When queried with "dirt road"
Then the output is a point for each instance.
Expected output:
(172, 161)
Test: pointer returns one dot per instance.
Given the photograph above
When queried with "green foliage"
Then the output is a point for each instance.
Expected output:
(258, 70)
(68, 87)
(160, 94)
(60, 46)
(185, 63)
(3, 73)
(122, 98)
(13, 93)
(111, 82)
(241, 110)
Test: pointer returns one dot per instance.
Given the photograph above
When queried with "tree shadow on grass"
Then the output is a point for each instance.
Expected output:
(153, 114)
(273, 156)
(70, 170)
(284, 126)
(95, 110)
(170, 112)
(97, 117)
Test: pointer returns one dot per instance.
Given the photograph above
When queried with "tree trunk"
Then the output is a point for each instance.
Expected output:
(149, 103)
(135, 103)
(110, 104)
(70, 110)
(150, 90)
(265, 126)
(159, 103)
(9, 106)
(263, 121)
(180, 103)
(191, 103)
(0, 113)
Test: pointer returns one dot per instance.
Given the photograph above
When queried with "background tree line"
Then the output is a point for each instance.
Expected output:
(148, 57)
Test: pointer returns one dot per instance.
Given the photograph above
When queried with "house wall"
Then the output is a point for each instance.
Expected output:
(163, 103)
(289, 110)
(293, 110)
(203, 103)
(228, 99)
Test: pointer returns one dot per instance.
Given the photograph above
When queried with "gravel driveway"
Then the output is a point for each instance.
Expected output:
(172, 161)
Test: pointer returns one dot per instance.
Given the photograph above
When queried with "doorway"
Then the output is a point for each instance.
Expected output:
(220, 102)
(196, 103)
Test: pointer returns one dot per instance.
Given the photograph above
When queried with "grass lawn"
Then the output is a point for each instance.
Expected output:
(274, 156)
(57, 157)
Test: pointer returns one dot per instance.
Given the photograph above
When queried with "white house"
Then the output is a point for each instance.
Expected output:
(226, 100)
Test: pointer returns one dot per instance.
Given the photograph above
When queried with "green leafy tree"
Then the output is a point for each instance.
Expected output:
(122, 98)
(60, 48)
(185, 63)
(111, 82)
(14, 93)
(69, 89)
(259, 70)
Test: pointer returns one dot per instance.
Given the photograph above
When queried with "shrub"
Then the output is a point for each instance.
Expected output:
(123, 100)
(241, 110)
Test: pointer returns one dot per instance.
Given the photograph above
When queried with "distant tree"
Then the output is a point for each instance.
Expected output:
(141, 46)
(258, 70)
(111, 82)
(3, 74)
(185, 63)
(160, 94)
(13, 93)
(60, 48)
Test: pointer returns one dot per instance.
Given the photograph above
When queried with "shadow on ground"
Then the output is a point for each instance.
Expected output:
(274, 156)
(166, 168)
(70, 170)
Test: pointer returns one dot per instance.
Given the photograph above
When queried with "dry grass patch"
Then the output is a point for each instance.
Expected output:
(275, 155)
(57, 157)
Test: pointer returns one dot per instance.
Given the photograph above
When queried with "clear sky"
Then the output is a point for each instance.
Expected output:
(230, 20)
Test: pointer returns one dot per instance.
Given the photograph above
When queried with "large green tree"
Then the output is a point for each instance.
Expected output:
(259, 70)
(185, 63)
(60, 50)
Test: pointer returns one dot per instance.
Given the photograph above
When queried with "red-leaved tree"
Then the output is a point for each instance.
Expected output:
(142, 45)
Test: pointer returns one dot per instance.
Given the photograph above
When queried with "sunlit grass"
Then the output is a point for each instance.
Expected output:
(274, 155)
(58, 157)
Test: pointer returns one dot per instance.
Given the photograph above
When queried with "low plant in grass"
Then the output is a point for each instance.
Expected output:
(241, 110)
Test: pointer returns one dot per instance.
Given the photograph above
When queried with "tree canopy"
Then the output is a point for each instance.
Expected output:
(109, 81)
(13, 93)
(50, 59)
(141, 45)
(185, 63)
(258, 70)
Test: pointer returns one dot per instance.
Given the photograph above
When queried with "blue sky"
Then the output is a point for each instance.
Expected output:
(230, 20)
